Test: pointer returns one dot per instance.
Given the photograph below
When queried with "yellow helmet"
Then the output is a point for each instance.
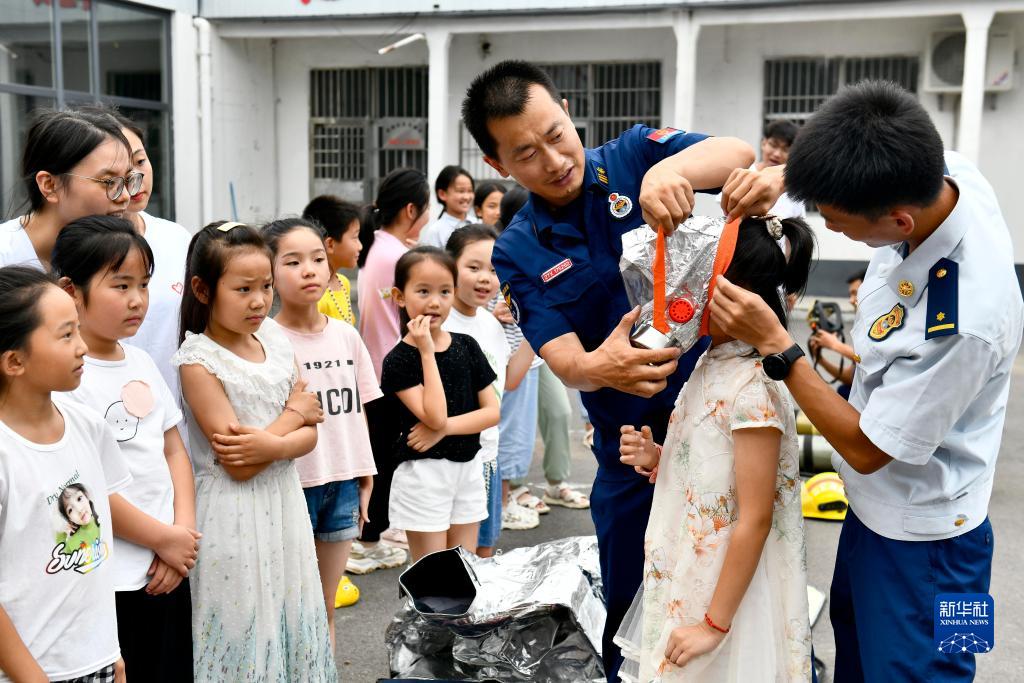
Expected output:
(824, 497)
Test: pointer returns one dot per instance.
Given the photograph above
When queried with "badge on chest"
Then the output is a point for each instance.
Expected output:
(619, 205)
(887, 323)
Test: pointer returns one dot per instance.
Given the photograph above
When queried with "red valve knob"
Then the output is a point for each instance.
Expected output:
(681, 310)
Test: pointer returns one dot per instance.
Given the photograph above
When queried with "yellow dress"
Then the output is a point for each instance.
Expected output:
(338, 304)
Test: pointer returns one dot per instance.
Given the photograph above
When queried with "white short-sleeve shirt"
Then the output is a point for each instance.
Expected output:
(15, 247)
(489, 333)
(158, 335)
(131, 395)
(937, 332)
(437, 233)
(56, 566)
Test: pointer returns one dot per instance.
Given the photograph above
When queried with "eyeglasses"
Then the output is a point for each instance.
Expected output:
(117, 184)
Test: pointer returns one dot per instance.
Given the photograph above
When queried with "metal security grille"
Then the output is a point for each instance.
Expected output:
(365, 123)
(604, 100)
(795, 87)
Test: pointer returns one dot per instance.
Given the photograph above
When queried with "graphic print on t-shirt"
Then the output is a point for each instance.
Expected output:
(123, 416)
(78, 544)
(337, 401)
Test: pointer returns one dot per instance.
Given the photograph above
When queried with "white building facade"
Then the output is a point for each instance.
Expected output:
(273, 101)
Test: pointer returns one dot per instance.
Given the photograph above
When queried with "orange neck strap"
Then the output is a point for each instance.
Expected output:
(659, 322)
(723, 257)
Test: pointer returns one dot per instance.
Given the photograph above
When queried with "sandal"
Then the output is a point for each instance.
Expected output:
(566, 496)
(523, 496)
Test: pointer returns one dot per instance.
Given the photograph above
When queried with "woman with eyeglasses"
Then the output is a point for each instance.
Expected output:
(75, 163)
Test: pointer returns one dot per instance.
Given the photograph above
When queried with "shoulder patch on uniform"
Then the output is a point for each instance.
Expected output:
(663, 135)
(887, 323)
(510, 301)
(943, 299)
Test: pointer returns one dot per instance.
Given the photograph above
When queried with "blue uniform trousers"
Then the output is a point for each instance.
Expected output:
(620, 509)
(882, 603)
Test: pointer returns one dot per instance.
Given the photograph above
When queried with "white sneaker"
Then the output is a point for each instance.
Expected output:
(517, 518)
(396, 538)
(378, 557)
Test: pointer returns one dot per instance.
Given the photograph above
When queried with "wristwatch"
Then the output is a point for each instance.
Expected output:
(777, 365)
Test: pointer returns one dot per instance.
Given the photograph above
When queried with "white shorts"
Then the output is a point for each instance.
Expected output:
(431, 495)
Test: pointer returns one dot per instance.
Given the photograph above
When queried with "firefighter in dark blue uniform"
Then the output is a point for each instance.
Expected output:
(558, 262)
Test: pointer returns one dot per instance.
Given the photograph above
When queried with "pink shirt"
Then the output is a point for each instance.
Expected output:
(378, 314)
(338, 369)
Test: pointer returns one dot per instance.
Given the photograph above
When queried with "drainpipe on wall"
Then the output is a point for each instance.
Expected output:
(205, 120)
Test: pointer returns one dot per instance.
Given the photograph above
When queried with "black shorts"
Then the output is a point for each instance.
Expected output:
(155, 632)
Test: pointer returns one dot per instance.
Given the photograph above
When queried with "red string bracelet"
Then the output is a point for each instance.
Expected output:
(714, 625)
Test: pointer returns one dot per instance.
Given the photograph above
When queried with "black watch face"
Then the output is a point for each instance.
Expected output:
(774, 367)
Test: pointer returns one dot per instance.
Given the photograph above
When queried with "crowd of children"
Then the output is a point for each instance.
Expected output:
(210, 471)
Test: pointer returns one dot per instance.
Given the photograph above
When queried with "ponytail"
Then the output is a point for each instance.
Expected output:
(367, 230)
(760, 265)
(398, 190)
(801, 250)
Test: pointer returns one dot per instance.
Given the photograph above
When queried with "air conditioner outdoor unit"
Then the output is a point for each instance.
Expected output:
(944, 61)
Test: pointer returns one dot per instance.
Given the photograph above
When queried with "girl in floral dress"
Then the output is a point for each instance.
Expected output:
(724, 594)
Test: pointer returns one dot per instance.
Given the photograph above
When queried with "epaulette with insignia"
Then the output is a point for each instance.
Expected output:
(943, 299)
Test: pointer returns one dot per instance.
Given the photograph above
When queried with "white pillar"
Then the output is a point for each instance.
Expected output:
(686, 31)
(972, 98)
(191, 197)
(438, 125)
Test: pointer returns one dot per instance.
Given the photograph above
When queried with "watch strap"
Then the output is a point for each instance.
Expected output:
(792, 354)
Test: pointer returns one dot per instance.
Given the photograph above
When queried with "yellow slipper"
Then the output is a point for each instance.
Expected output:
(347, 594)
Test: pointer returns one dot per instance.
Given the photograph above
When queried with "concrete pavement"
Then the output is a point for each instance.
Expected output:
(360, 628)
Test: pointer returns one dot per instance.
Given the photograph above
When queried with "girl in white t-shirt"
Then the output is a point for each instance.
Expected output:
(106, 266)
(58, 464)
(453, 190)
(337, 475)
(475, 286)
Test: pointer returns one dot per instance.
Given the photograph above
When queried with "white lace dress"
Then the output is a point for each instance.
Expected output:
(257, 607)
(692, 517)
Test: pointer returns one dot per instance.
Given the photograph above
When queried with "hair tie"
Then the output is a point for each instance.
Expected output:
(228, 227)
(773, 225)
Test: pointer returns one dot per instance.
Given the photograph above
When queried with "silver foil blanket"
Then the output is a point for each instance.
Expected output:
(689, 263)
(537, 615)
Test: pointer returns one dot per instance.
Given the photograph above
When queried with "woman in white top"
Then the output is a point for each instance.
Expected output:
(158, 335)
(75, 163)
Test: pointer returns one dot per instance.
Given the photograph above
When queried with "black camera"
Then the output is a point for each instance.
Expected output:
(825, 316)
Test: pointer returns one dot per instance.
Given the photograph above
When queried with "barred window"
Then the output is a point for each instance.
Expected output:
(365, 123)
(795, 87)
(604, 100)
